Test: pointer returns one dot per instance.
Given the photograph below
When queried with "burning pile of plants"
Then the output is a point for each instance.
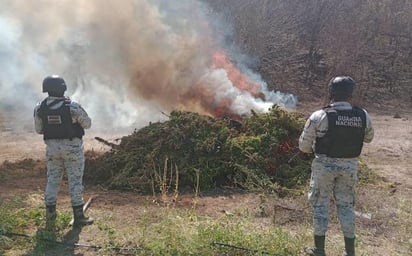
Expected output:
(196, 151)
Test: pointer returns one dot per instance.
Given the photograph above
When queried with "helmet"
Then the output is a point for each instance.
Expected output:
(54, 85)
(341, 86)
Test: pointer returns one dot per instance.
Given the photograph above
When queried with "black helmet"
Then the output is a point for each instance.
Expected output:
(54, 85)
(341, 86)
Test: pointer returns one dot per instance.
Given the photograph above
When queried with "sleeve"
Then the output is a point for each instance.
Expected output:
(316, 126)
(80, 116)
(38, 123)
(369, 131)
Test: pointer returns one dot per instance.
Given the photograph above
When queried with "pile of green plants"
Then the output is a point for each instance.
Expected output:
(197, 151)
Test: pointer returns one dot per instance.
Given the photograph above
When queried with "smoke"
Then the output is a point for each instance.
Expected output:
(125, 61)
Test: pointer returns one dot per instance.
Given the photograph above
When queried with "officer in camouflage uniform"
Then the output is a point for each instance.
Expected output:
(336, 135)
(62, 123)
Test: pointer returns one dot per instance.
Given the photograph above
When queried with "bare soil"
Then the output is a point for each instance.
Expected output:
(389, 155)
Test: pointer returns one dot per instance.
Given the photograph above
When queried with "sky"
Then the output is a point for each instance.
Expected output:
(126, 61)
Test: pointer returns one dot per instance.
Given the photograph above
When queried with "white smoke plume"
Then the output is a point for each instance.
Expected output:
(124, 61)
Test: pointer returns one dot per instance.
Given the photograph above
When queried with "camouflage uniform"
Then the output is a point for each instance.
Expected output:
(337, 176)
(64, 154)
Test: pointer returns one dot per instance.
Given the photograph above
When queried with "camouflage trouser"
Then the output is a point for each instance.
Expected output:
(337, 177)
(64, 155)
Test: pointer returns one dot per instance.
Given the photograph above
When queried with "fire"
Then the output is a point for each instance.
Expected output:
(239, 80)
(222, 108)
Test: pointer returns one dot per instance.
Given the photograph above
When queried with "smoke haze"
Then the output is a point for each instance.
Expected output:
(125, 61)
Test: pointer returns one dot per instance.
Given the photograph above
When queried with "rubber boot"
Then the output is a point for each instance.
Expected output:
(51, 215)
(349, 246)
(319, 249)
(79, 218)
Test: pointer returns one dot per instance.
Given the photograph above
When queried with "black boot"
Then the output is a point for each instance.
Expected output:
(349, 246)
(79, 218)
(51, 215)
(319, 249)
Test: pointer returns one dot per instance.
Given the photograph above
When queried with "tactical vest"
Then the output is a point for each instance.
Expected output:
(57, 123)
(344, 137)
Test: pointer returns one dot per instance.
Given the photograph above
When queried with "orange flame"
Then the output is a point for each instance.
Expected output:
(241, 81)
(205, 97)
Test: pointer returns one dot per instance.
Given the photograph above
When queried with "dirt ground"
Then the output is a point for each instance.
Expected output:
(389, 155)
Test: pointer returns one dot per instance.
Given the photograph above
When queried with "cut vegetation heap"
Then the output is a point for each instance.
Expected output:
(192, 151)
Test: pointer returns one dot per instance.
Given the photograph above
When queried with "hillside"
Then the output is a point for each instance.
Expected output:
(297, 46)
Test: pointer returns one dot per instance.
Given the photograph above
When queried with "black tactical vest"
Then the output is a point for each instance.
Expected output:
(57, 123)
(344, 137)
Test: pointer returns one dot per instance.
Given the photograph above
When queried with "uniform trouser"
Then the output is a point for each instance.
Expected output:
(337, 177)
(61, 155)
